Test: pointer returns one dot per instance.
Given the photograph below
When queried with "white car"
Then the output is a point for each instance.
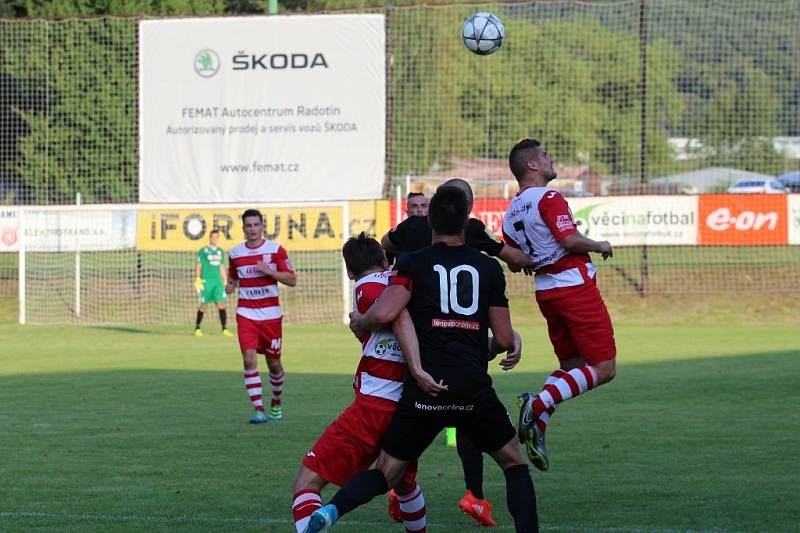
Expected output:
(757, 186)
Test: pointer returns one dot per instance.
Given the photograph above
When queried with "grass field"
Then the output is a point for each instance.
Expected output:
(125, 429)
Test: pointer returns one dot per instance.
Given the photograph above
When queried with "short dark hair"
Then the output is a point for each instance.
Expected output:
(252, 213)
(362, 253)
(414, 195)
(523, 151)
(448, 210)
(213, 231)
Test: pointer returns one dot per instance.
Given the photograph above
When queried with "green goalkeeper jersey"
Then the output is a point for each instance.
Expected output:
(210, 259)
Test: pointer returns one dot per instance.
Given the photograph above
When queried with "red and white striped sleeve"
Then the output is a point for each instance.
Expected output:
(282, 261)
(556, 214)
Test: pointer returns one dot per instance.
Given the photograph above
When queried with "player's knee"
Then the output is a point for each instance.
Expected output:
(606, 371)
(250, 358)
(274, 365)
(307, 479)
(509, 455)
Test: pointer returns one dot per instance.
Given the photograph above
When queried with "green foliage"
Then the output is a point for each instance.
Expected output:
(85, 139)
(725, 73)
(574, 84)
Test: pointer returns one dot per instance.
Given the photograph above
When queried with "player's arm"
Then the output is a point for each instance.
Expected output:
(403, 329)
(512, 357)
(556, 214)
(198, 281)
(223, 274)
(481, 238)
(233, 278)
(515, 258)
(499, 314)
(287, 278)
(502, 332)
(384, 311)
(577, 244)
(282, 272)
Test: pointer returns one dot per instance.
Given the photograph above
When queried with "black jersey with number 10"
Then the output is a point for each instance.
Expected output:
(452, 289)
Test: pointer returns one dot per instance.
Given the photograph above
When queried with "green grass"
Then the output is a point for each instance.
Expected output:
(125, 429)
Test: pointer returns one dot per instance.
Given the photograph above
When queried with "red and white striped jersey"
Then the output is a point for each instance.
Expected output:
(378, 382)
(258, 293)
(536, 220)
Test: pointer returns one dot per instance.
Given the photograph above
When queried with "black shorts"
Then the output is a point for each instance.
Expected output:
(416, 422)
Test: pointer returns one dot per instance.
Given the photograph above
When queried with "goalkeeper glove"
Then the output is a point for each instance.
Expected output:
(198, 284)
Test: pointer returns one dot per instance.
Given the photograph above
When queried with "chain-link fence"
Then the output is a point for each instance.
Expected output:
(662, 97)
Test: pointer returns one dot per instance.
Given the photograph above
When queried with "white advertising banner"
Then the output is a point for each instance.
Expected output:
(794, 218)
(68, 231)
(262, 109)
(638, 220)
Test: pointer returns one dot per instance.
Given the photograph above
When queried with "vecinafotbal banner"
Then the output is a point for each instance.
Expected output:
(638, 220)
(262, 109)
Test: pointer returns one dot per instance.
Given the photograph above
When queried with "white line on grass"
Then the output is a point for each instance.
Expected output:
(222, 520)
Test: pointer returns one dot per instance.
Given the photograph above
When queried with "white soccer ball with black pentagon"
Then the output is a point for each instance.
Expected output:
(483, 33)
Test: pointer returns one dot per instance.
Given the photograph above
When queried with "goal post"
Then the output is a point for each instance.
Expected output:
(134, 264)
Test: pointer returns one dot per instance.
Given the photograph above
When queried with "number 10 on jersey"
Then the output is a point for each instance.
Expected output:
(448, 289)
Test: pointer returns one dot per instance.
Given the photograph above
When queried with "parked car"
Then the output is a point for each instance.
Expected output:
(757, 186)
(791, 180)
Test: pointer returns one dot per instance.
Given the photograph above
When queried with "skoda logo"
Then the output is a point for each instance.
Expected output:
(206, 63)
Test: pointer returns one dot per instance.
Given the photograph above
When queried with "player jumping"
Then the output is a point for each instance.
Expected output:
(256, 267)
(540, 223)
(351, 443)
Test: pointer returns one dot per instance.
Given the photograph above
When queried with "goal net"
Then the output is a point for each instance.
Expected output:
(135, 264)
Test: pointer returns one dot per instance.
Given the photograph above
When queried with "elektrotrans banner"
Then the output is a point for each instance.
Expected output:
(262, 109)
(48, 229)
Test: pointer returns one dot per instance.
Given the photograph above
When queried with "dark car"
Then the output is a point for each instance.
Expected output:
(791, 180)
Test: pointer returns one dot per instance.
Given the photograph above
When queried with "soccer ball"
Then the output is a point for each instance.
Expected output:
(483, 33)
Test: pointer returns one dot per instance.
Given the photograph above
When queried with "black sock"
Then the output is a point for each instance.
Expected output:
(472, 462)
(361, 488)
(198, 320)
(521, 499)
(223, 317)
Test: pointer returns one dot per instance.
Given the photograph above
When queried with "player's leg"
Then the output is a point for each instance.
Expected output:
(534, 416)
(272, 340)
(347, 446)
(199, 318)
(248, 343)
(583, 338)
(276, 376)
(588, 354)
(411, 501)
(358, 491)
(491, 429)
(222, 309)
(472, 463)
(252, 382)
(520, 494)
(408, 435)
(307, 497)
(473, 502)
